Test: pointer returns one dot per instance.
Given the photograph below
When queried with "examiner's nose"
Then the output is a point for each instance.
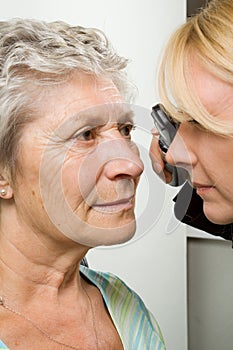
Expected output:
(181, 152)
(123, 160)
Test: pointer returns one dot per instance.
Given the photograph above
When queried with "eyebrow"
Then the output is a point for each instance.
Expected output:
(95, 117)
(126, 117)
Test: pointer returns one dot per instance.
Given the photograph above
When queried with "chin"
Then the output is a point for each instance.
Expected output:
(111, 236)
(220, 221)
(122, 235)
(219, 217)
(119, 235)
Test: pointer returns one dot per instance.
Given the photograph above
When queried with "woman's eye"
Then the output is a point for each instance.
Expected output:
(86, 135)
(126, 130)
(193, 121)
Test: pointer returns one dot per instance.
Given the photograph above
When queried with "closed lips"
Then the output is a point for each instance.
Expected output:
(116, 205)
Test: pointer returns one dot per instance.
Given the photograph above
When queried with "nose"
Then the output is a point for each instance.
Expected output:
(182, 152)
(123, 168)
(123, 161)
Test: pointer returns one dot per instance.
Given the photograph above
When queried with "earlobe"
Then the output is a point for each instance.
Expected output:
(6, 190)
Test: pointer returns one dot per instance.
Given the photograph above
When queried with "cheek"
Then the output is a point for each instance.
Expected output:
(70, 188)
(217, 156)
(80, 179)
(70, 185)
(215, 153)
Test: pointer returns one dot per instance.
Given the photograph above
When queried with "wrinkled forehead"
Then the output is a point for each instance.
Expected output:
(105, 114)
(109, 113)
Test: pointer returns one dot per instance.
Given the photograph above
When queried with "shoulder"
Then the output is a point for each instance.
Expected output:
(127, 307)
(113, 287)
(106, 281)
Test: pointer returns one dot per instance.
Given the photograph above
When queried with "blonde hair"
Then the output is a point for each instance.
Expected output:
(46, 54)
(208, 35)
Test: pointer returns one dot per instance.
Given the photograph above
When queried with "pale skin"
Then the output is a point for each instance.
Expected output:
(207, 156)
(39, 262)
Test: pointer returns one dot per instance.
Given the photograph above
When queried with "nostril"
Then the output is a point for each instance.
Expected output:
(123, 177)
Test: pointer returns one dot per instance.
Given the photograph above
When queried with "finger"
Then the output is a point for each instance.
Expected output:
(156, 154)
(158, 163)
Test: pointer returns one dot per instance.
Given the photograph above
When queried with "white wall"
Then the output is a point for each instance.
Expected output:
(155, 264)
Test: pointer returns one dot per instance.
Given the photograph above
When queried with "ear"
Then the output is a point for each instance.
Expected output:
(6, 191)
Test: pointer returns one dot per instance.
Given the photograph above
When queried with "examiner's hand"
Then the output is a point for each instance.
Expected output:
(156, 156)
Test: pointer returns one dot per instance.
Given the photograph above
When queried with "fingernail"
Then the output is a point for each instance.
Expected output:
(155, 132)
(157, 167)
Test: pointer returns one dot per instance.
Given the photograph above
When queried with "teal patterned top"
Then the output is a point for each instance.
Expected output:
(136, 326)
(3, 346)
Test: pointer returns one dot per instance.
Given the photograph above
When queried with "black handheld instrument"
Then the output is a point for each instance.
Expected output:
(167, 129)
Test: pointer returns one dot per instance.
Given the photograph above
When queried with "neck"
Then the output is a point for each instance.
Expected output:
(30, 265)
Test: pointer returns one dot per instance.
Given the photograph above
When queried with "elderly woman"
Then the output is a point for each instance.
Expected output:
(69, 173)
(196, 88)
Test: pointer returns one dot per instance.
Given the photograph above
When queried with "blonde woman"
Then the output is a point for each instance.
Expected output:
(196, 89)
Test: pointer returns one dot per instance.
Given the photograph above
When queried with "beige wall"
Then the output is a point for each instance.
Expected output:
(210, 286)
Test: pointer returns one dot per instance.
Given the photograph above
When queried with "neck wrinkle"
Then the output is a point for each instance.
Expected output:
(38, 271)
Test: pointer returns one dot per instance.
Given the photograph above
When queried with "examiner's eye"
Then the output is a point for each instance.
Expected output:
(193, 121)
(125, 130)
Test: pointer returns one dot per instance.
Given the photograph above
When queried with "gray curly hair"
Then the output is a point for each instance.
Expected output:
(47, 53)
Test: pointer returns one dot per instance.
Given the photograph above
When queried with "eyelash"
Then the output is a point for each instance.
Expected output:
(193, 121)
